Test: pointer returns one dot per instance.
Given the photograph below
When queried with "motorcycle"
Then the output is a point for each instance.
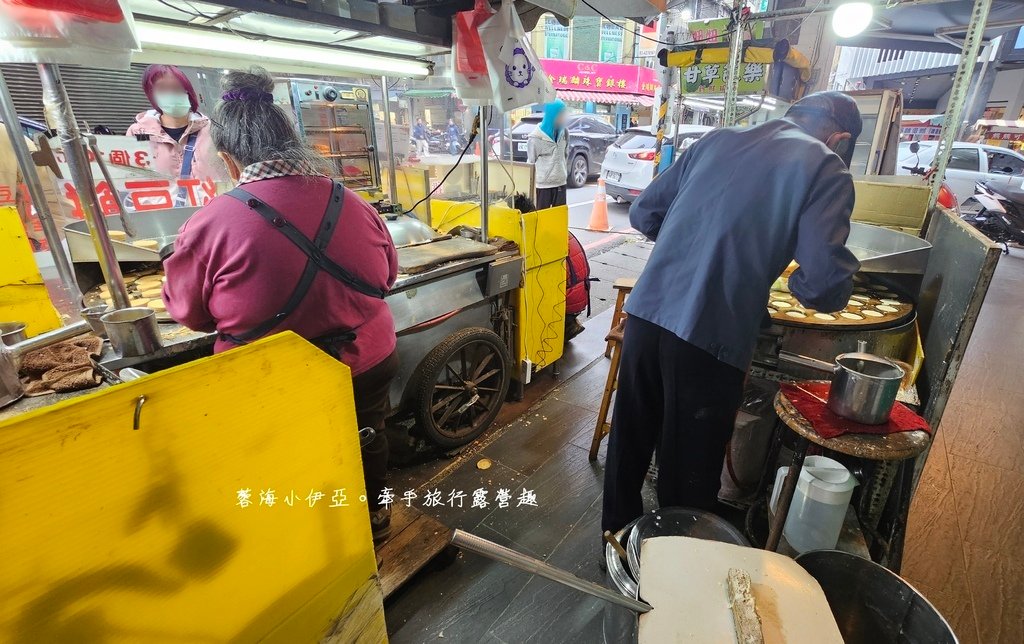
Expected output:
(998, 216)
(947, 198)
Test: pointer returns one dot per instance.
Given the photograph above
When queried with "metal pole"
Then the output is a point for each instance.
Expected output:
(392, 180)
(666, 77)
(61, 117)
(35, 190)
(986, 54)
(732, 72)
(518, 560)
(958, 94)
(484, 199)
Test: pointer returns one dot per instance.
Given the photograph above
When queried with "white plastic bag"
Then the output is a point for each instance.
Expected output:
(517, 79)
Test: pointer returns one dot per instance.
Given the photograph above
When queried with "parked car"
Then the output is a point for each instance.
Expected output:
(628, 166)
(969, 163)
(589, 138)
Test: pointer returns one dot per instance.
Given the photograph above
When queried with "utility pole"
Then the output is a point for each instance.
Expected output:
(667, 38)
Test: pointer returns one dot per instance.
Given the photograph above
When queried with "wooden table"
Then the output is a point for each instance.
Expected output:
(898, 446)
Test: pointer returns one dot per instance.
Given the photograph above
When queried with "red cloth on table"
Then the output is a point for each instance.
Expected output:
(827, 424)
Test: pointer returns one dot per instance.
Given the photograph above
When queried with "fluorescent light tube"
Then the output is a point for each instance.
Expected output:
(202, 40)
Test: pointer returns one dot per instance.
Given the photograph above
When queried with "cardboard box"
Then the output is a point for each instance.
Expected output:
(892, 201)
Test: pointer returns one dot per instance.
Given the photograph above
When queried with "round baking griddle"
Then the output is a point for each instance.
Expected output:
(870, 307)
(148, 281)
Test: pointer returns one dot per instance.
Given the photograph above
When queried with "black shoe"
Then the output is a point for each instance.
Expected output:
(380, 525)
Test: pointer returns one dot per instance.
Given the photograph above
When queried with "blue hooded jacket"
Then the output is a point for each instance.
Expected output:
(551, 112)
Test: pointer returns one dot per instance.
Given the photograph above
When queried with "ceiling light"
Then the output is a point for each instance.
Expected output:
(851, 18)
(190, 39)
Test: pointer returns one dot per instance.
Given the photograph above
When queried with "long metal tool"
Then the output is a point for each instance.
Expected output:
(30, 175)
(61, 117)
(518, 560)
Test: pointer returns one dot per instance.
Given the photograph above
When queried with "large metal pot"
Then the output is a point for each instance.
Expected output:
(10, 356)
(864, 386)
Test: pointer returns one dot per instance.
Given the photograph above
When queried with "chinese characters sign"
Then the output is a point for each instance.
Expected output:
(479, 498)
(709, 78)
(600, 77)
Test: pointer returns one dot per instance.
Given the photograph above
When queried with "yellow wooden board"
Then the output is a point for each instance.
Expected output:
(543, 240)
(115, 535)
(23, 296)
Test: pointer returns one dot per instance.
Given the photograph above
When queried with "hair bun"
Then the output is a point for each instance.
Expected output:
(254, 80)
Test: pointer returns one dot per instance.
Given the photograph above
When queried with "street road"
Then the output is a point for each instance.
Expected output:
(581, 203)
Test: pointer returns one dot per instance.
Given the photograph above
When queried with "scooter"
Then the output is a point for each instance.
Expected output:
(947, 198)
(998, 216)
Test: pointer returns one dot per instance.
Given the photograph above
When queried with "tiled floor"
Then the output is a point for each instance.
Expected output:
(966, 524)
(965, 532)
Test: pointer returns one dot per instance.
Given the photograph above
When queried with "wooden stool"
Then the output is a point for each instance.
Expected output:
(604, 426)
(623, 285)
(898, 446)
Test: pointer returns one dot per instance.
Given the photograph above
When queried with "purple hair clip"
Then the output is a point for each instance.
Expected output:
(249, 95)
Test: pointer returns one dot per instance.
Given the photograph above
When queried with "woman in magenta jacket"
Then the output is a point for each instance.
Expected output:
(246, 265)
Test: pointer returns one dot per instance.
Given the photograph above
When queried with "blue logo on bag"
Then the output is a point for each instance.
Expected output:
(520, 72)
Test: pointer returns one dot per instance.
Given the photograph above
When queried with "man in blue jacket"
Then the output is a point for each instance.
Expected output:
(728, 217)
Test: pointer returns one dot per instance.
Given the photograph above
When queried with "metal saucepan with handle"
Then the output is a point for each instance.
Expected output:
(864, 386)
(11, 388)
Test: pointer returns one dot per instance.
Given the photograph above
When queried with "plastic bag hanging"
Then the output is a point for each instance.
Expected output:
(516, 76)
(469, 72)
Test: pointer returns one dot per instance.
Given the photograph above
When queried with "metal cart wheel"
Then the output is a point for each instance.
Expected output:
(461, 385)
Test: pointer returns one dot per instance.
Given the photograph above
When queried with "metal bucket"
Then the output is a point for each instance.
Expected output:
(864, 387)
(133, 331)
(12, 332)
(873, 605)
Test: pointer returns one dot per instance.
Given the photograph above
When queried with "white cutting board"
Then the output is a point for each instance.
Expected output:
(684, 580)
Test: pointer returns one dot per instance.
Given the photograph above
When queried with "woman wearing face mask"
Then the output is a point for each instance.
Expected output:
(547, 148)
(246, 265)
(179, 136)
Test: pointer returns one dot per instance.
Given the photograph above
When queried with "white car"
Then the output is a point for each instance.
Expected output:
(969, 163)
(628, 165)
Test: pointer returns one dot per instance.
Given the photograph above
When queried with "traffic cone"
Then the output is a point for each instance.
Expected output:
(599, 214)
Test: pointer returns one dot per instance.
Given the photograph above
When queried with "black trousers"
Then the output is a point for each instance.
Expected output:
(548, 197)
(371, 396)
(676, 399)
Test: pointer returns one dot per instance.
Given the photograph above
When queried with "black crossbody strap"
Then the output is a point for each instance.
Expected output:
(313, 250)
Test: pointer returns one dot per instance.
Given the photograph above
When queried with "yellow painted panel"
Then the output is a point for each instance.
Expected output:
(115, 535)
(411, 184)
(543, 239)
(23, 295)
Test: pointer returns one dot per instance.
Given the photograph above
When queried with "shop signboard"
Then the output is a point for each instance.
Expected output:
(600, 77)
(647, 41)
(556, 39)
(610, 49)
(709, 78)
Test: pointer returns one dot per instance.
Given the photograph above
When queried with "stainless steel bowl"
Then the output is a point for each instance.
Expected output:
(679, 522)
(12, 332)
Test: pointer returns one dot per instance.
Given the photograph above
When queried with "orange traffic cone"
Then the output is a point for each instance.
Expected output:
(599, 214)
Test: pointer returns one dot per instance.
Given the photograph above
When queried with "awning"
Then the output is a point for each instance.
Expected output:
(576, 96)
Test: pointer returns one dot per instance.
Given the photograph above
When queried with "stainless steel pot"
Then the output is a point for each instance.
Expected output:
(10, 357)
(133, 331)
(864, 386)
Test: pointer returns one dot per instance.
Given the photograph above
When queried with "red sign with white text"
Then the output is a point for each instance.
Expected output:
(600, 77)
